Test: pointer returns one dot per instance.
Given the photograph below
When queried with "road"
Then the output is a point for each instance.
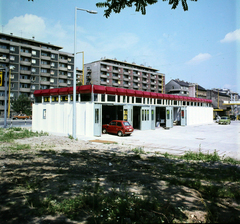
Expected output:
(16, 123)
(225, 139)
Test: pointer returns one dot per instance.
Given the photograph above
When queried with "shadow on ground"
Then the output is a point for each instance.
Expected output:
(185, 191)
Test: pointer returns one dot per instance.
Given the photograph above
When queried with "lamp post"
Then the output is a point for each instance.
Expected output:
(74, 72)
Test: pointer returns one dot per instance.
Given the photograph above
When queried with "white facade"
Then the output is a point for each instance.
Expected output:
(55, 116)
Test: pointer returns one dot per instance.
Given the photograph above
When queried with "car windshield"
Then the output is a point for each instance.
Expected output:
(224, 118)
(125, 123)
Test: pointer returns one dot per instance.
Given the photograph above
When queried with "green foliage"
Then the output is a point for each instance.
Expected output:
(201, 156)
(11, 134)
(117, 5)
(21, 104)
(138, 150)
(108, 207)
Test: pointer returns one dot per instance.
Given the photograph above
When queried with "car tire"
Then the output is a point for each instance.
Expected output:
(120, 134)
(104, 131)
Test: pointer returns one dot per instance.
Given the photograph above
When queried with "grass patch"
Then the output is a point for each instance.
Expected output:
(108, 207)
(138, 150)
(10, 134)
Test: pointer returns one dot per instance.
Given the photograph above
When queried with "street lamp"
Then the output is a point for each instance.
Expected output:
(74, 72)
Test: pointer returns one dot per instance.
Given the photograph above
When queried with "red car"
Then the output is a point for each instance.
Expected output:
(118, 127)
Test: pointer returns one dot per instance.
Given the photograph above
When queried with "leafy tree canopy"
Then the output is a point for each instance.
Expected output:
(117, 5)
(21, 104)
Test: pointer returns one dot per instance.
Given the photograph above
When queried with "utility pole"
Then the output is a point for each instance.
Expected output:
(5, 101)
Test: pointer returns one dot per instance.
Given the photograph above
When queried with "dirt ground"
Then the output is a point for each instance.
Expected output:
(53, 165)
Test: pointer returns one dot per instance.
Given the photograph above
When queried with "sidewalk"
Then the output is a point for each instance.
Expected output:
(225, 139)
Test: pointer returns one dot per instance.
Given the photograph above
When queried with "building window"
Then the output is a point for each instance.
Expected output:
(33, 69)
(3, 46)
(12, 48)
(69, 67)
(12, 58)
(34, 52)
(43, 70)
(33, 61)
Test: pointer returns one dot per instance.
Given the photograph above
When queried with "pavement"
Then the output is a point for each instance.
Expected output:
(225, 139)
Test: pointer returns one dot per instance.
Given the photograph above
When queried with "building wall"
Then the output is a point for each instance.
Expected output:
(37, 66)
(199, 115)
(59, 118)
(114, 73)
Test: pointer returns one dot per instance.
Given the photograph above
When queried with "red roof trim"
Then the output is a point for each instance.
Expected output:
(130, 92)
(63, 91)
(146, 94)
(99, 89)
(37, 92)
(111, 90)
(54, 92)
(84, 89)
(138, 93)
(45, 92)
(70, 90)
(121, 91)
(153, 95)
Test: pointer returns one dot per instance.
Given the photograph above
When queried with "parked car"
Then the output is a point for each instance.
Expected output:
(224, 120)
(22, 116)
(233, 117)
(118, 127)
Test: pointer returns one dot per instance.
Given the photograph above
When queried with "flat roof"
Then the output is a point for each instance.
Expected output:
(30, 41)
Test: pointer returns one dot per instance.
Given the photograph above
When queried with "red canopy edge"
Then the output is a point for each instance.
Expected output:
(121, 91)
(111, 90)
(63, 91)
(37, 92)
(99, 89)
(54, 92)
(84, 89)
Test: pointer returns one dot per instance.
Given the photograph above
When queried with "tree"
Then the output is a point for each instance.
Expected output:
(117, 5)
(21, 104)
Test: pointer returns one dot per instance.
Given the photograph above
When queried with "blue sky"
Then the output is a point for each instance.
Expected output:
(201, 45)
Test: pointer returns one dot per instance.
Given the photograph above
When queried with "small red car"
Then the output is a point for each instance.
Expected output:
(118, 127)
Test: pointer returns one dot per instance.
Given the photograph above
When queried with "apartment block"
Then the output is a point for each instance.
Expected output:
(111, 72)
(37, 65)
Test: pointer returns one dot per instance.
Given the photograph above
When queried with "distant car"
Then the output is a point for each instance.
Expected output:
(224, 120)
(22, 116)
(118, 127)
(233, 117)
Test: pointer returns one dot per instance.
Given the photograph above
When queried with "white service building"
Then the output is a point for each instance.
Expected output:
(97, 105)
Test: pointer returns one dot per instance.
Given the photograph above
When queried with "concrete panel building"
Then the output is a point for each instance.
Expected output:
(114, 73)
(37, 65)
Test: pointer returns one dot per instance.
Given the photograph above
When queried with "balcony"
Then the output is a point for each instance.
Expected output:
(25, 54)
(115, 84)
(63, 68)
(28, 63)
(45, 66)
(63, 84)
(63, 76)
(63, 60)
(103, 69)
(2, 97)
(25, 90)
(25, 80)
(4, 50)
(103, 83)
(25, 72)
(45, 74)
(45, 82)
(46, 58)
